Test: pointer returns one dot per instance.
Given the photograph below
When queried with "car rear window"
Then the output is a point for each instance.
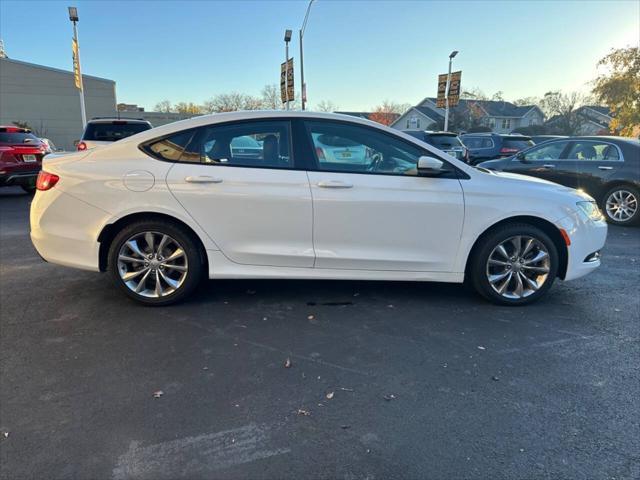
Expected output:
(519, 143)
(18, 137)
(477, 142)
(112, 132)
(444, 141)
(336, 141)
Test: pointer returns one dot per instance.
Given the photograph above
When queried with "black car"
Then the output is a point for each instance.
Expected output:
(607, 168)
(448, 142)
(487, 146)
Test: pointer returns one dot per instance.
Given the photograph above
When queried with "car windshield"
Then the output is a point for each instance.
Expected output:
(245, 142)
(18, 137)
(111, 132)
(444, 141)
(519, 143)
(336, 141)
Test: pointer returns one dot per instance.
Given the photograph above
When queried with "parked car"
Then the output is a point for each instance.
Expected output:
(448, 142)
(49, 146)
(158, 212)
(21, 155)
(607, 168)
(103, 131)
(487, 146)
(334, 149)
(537, 139)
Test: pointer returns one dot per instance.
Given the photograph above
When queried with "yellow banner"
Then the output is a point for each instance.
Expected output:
(77, 76)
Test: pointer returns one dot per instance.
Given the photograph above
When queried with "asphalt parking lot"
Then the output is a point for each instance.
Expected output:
(386, 380)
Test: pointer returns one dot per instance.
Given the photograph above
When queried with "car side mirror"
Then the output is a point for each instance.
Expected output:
(429, 166)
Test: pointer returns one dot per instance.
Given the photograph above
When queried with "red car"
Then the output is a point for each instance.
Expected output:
(21, 155)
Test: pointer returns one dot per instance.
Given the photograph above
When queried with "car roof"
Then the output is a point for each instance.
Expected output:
(115, 119)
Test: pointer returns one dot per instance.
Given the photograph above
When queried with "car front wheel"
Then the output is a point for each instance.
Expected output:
(621, 205)
(155, 262)
(514, 265)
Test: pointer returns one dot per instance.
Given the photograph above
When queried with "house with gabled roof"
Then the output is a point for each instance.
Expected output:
(498, 115)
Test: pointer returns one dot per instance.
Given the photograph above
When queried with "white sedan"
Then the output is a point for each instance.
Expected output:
(159, 211)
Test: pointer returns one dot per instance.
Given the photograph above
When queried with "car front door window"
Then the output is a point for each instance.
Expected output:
(550, 151)
(356, 149)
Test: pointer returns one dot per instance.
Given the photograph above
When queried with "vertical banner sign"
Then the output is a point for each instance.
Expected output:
(454, 89)
(77, 76)
(286, 82)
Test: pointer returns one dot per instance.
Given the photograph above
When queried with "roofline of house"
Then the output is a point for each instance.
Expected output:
(52, 69)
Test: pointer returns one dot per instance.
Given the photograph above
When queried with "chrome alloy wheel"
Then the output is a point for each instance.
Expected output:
(152, 264)
(518, 267)
(621, 205)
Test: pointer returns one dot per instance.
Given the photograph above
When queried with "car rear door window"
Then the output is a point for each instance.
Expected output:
(265, 144)
(517, 143)
(444, 142)
(593, 151)
(340, 147)
(171, 148)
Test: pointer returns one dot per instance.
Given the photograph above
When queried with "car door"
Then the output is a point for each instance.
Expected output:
(547, 161)
(376, 213)
(592, 163)
(256, 208)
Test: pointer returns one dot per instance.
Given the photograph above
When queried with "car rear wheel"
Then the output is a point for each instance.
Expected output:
(620, 205)
(514, 265)
(155, 262)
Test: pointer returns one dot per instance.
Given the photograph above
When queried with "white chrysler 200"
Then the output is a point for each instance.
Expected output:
(317, 196)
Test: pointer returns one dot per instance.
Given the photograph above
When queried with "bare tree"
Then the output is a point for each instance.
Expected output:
(163, 106)
(561, 108)
(231, 102)
(271, 97)
(187, 107)
(326, 106)
(524, 101)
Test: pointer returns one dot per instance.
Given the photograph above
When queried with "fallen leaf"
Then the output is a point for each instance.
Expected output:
(264, 319)
(205, 368)
(356, 294)
(481, 348)
(390, 306)
(304, 413)
(310, 317)
(346, 389)
(158, 394)
(617, 310)
(329, 395)
(494, 378)
(388, 398)
(287, 363)
(6, 434)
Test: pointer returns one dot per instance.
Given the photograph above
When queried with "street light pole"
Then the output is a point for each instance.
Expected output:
(446, 112)
(303, 86)
(287, 39)
(73, 16)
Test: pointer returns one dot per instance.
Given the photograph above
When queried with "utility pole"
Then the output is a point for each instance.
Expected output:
(446, 112)
(303, 86)
(77, 72)
(287, 39)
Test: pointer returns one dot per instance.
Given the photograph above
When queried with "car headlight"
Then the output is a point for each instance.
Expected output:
(591, 210)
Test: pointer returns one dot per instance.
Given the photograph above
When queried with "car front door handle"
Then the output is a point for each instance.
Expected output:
(548, 165)
(334, 184)
(202, 179)
(602, 167)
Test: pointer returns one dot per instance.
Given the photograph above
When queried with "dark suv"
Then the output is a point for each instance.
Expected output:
(448, 142)
(487, 146)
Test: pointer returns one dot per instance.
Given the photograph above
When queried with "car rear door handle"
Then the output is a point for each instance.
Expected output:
(202, 179)
(602, 167)
(334, 184)
(548, 165)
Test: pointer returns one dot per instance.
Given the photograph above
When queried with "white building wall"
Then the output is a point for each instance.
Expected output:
(46, 98)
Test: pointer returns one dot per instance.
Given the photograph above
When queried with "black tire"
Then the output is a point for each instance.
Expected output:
(635, 218)
(478, 266)
(192, 251)
(30, 189)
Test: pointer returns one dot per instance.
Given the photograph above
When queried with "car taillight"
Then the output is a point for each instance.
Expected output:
(46, 180)
(81, 146)
(508, 151)
(320, 153)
